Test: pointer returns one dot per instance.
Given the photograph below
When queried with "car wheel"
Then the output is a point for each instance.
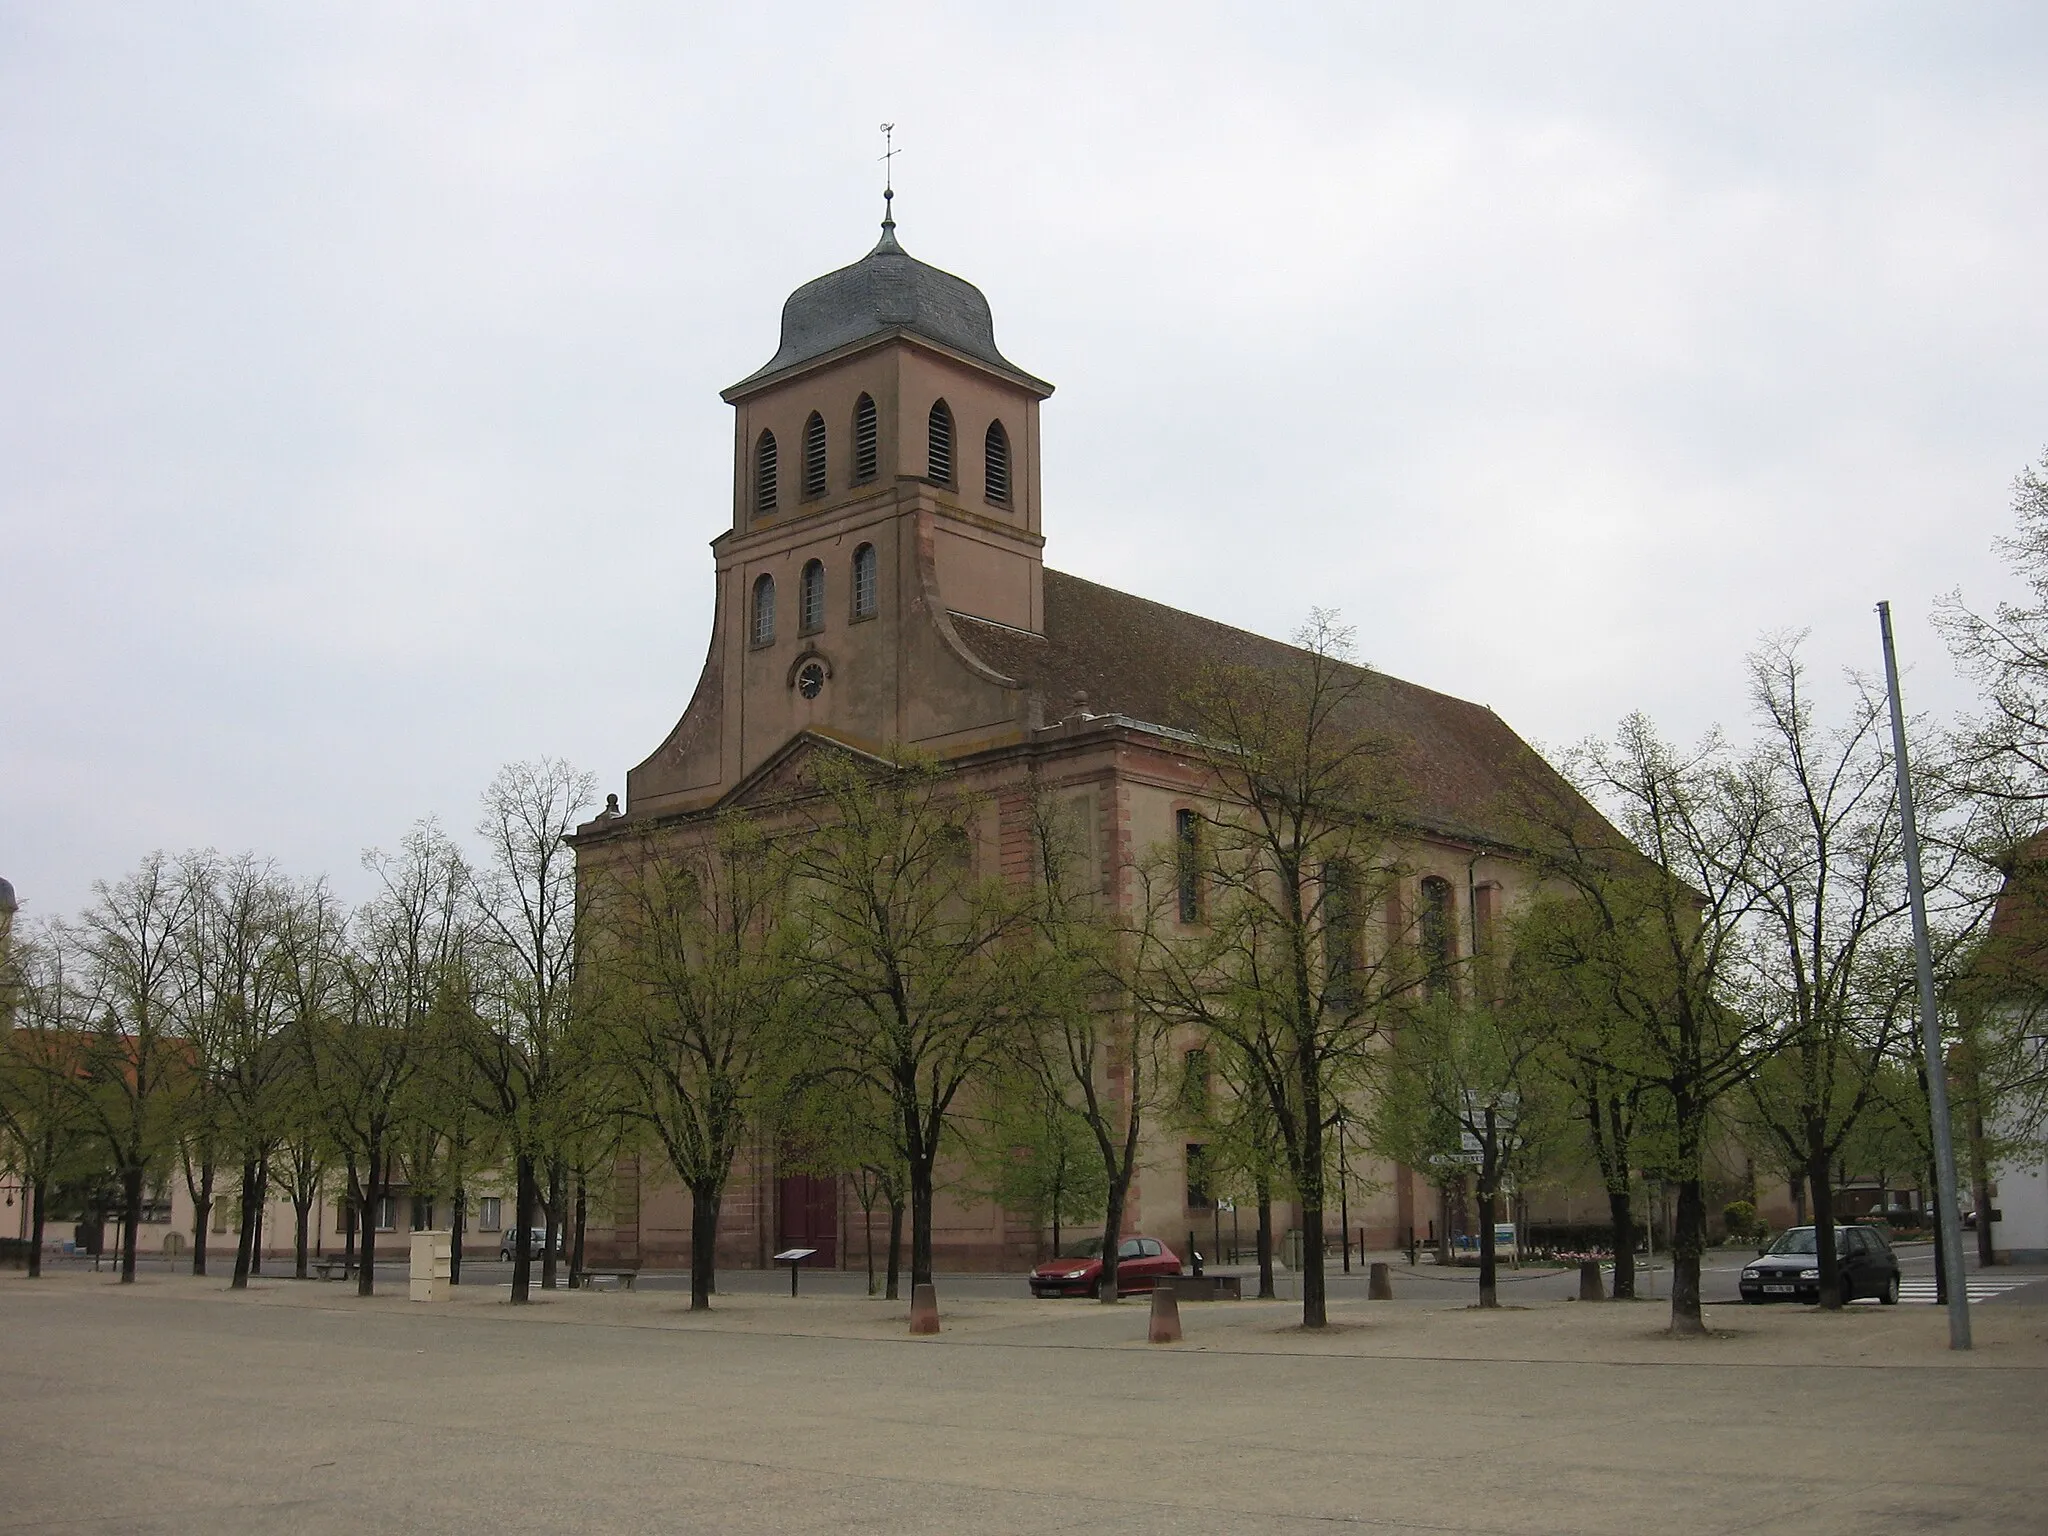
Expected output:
(1890, 1295)
(1846, 1289)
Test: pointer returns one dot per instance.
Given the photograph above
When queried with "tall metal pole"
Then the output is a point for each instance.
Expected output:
(1930, 1025)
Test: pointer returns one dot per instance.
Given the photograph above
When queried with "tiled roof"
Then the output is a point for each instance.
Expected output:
(1141, 659)
(2015, 951)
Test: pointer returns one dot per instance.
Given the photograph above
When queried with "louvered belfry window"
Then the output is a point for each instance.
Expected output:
(764, 473)
(996, 463)
(865, 601)
(764, 610)
(867, 441)
(939, 445)
(811, 599)
(814, 456)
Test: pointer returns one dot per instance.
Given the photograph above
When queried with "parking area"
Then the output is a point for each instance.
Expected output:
(176, 1406)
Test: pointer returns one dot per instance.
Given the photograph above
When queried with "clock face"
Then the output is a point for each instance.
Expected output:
(810, 682)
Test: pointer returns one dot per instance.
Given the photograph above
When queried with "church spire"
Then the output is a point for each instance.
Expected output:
(888, 240)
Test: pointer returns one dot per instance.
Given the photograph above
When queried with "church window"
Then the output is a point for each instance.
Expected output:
(764, 472)
(811, 599)
(1437, 937)
(814, 456)
(867, 441)
(939, 444)
(1187, 847)
(996, 464)
(865, 601)
(764, 611)
(1341, 931)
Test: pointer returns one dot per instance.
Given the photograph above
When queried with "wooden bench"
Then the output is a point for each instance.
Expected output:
(623, 1278)
(327, 1269)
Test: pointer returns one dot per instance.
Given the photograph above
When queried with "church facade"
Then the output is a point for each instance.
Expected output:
(883, 585)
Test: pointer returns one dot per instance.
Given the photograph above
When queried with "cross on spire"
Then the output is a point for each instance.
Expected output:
(889, 154)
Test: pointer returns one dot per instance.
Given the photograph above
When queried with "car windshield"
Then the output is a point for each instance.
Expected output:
(1086, 1248)
(1798, 1240)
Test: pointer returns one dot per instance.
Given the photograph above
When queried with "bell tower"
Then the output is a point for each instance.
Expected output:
(885, 478)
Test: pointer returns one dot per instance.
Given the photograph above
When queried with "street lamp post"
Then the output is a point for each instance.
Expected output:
(1930, 1021)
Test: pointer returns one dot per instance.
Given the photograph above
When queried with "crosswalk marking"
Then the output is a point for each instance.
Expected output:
(1979, 1288)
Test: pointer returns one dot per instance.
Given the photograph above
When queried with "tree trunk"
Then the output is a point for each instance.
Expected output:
(131, 1218)
(1933, 1203)
(867, 1232)
(243, 1226)
(894, 1291)
(458, 1224)
(704, 1204)
(302, 1211)
(522, 1240)
(1112, 1236)
(366, 1253)
(1824, 1231)
(202, 1202)
(576, 1233)
(1443, 1223)
(262, 1202)
(37, 1197)
(921, 1220)
(1265, 1240)
(1489, 1258)
(1618, 1210)
(553, 1237)
(1686, 1246)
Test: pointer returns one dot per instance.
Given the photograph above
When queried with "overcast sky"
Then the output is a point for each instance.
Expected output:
(359, 364)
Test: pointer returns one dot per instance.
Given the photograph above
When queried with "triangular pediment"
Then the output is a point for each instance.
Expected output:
(787, 773)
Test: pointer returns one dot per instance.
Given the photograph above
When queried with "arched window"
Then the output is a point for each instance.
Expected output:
(1436, 935)
(1341, 932)
(810, 615)
(764, 472)
(995, 458)
(939, 444)
(1187, 850)
(764, 611)
(867, 441)
(814, 456)
(866, 599)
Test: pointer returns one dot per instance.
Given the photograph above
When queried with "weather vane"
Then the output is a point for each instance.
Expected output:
(890, 152)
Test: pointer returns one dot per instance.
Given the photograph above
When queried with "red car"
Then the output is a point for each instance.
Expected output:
(1140, 1263)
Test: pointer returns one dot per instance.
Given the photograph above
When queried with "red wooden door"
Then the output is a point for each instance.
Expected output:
(810, 1218)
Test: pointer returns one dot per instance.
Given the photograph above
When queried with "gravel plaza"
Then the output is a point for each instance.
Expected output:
(176, 1406)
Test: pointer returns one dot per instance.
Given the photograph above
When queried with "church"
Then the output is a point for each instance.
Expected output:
(883, 584)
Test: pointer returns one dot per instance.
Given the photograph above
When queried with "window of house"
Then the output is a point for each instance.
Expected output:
(764, 611)
(487, 1214)
(939, 444)
(811, 599)
(814, 456)
(1199, 1198)
(866, 599)
(1194, 1081)
(867, 441)
(1341, 924)
(220, 1214)
(387, 1213)
(764, 472)
(996, 464)
(1436, 935)
(1187, 843)
(422, 1215)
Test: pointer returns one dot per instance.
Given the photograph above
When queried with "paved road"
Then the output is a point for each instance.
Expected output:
(1719, 1274)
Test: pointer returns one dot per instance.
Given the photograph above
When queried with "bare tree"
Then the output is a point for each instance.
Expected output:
(691, 983)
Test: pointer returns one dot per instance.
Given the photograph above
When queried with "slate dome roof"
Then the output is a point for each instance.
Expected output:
(886, 290)
(7, 902)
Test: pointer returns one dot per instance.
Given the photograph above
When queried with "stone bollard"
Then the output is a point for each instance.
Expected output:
(924, 1309)
(1379, 1285)
(1165, 1327)
(1590, 1286)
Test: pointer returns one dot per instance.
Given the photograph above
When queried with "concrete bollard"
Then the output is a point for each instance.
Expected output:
(924, 1309)
(1379, 1284)
(1591, 1287)
(1165, 1328)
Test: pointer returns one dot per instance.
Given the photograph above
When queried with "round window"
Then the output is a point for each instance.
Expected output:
(810, 682)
